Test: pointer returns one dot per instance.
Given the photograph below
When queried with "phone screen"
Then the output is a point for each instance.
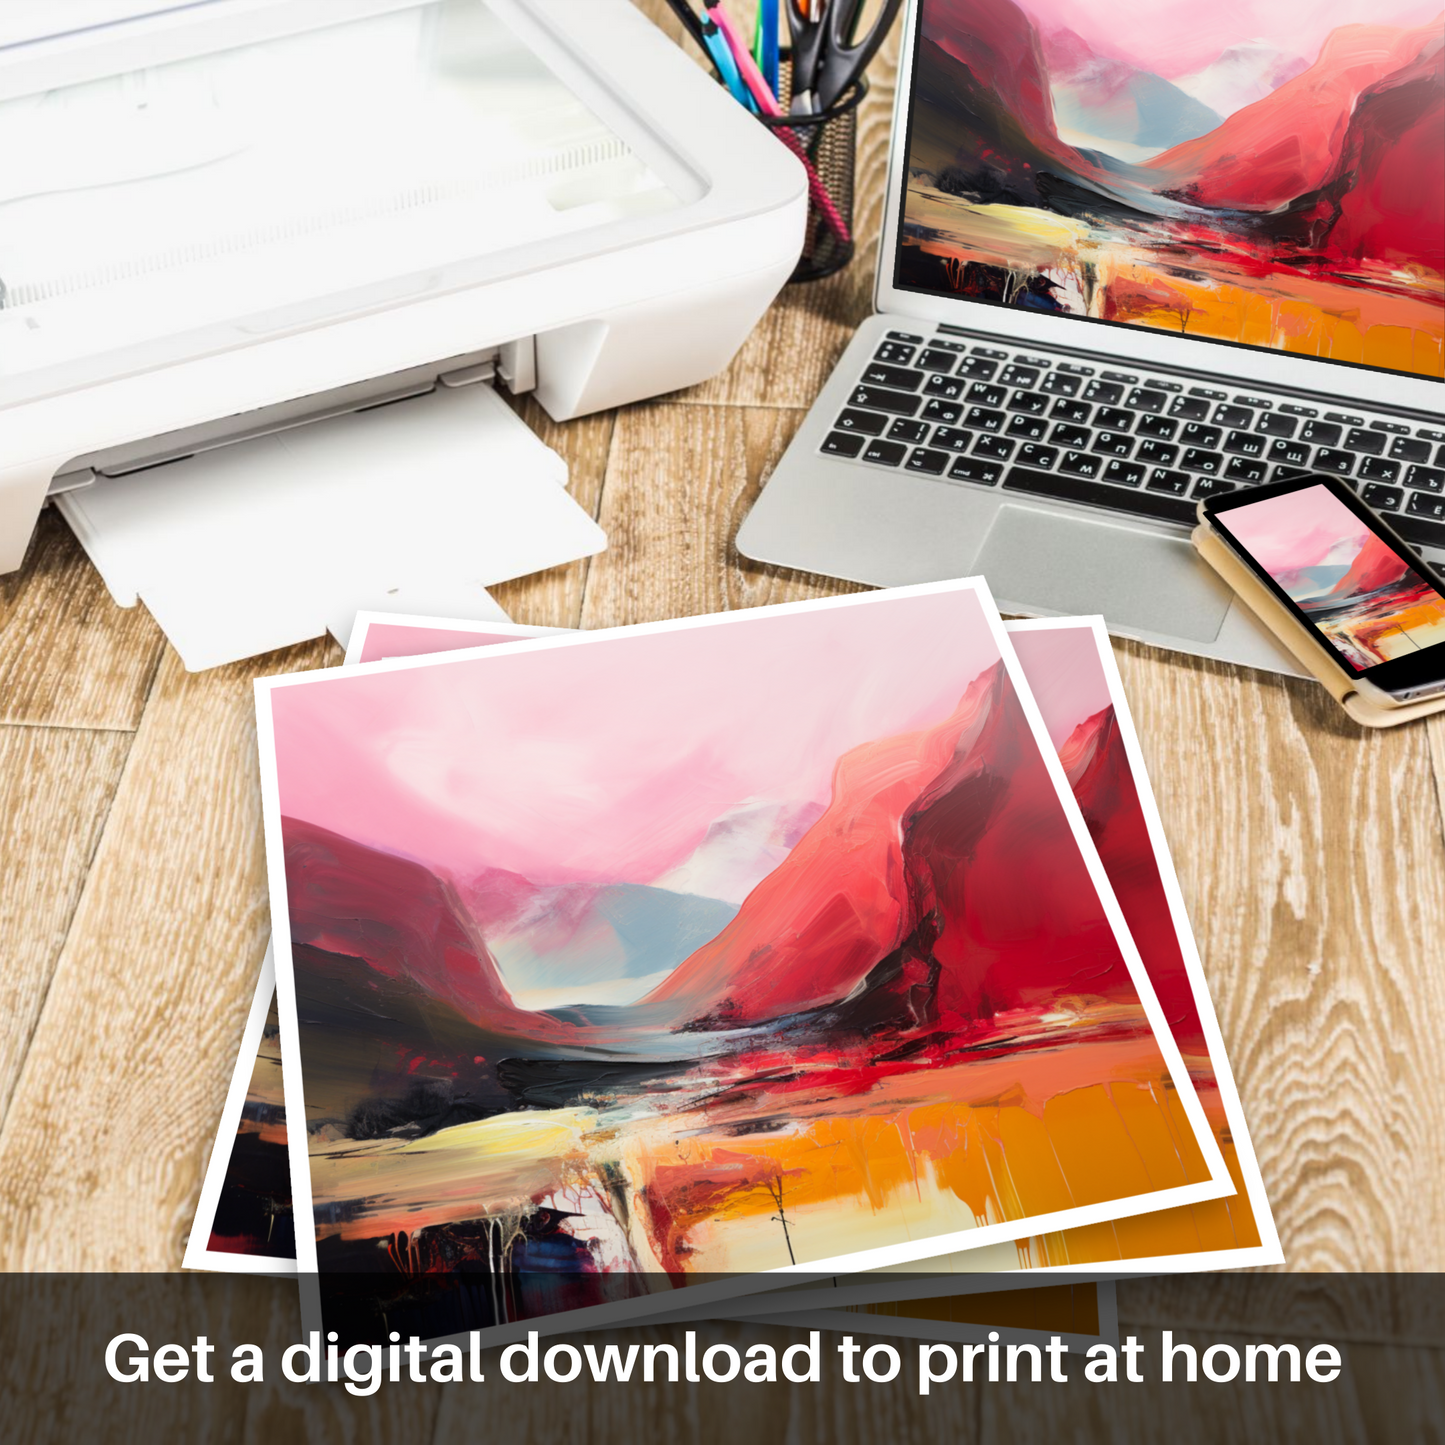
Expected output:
(1371, 604)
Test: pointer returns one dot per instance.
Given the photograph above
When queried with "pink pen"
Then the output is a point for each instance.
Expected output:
(768, 105)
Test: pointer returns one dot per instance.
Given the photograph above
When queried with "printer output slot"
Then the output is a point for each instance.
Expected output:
(514, 362)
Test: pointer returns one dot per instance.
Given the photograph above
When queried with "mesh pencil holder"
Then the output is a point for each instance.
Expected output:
(826, 143)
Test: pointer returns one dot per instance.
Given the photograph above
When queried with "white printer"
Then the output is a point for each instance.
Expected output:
(232, 230)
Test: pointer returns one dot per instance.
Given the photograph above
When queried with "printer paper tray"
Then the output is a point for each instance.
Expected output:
(416, 506)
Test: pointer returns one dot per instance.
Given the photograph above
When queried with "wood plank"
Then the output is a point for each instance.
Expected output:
(69, 657)
(709, 1413)
(554, 598)
(112, 1117)
(1314, 873)
(56, 786)
(1380, 1391)
(679, 482)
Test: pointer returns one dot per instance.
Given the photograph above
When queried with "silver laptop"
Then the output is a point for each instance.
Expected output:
(1123, 267)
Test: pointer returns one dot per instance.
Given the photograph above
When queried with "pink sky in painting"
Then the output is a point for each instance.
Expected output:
(1064, 674)
(1299, 529)
(606, 761)
(1176, 37)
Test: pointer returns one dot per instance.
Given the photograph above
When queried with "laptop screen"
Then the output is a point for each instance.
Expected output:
(1268, 173)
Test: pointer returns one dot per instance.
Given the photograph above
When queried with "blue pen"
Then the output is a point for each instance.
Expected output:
(768, 28)
(727, 67)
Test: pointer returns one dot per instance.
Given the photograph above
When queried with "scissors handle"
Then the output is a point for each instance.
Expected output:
(844, 58)
(809, 38)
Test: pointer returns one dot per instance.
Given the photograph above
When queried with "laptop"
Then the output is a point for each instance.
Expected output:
(1123, 267)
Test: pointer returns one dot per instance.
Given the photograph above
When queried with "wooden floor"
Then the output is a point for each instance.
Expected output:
(133, 908)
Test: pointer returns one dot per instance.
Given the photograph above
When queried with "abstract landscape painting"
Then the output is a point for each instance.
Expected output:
(1366, 599)
(711, 948)
(244, 1221)
(1069, 668)
(1269, 172)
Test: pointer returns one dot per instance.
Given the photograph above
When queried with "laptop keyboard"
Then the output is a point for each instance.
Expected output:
(1137, 443)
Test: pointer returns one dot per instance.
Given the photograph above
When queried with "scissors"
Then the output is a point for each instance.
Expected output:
(828, 56)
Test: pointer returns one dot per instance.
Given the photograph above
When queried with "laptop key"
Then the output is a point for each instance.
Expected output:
(1016, 375)
(1061, 383)
(1144, 398)
(1161, 427)
(922, 459)
(867, 422)
(1189, 408)
(1381, 498)
(1075, 411)
(1124, 474)
(1031, 428)
(1407, 449)
(877, 374)
(1035, 403)
(905, 336)
(1071, 488)
(1036, 456)
(973, 469)
(955, 439)
(1211, 487)
(1156, 454)
(1070, 436)
(843, 444)
(1329, 459)
(895, 353)
(1081, 464)
(1372, 443)
(1377, 469)
(1272, 424)
(886, 454)
(945, 411)
(1426, 479)
(878, 398)
(906, 430)
(1244, 469)
(1199, 460)
(978, 368)
(1113, 418)
(1291, 454)
(1235, 416)
(981, 419)
(1107, 392)
(996, 448)
(1195, 435)
(1112, 444)
(1244, 444)
(1419, 531)
(935, 360)
(949, 387)
(1321, 433)
(985, 395)
(1161, 479)
(1423, 505)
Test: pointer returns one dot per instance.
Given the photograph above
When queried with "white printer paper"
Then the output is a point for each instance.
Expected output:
(417, 506)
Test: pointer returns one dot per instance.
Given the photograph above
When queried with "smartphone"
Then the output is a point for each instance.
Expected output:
(1373, 605)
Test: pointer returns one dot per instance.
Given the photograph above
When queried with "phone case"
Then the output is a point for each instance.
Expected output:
(1298, 639)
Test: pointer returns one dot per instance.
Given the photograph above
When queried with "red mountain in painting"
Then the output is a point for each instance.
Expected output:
(1389, 189)
(1097, 767)
(1292, 141)
(1376, 566)
(401, 919)
(942, 844)
(836, 905)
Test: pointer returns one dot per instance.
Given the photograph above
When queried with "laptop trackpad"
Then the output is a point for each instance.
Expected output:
(1038, 559)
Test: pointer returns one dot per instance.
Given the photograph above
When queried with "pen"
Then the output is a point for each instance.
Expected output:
(768, 105)
(765, 42)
